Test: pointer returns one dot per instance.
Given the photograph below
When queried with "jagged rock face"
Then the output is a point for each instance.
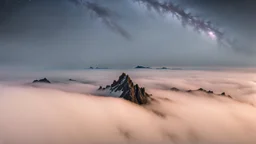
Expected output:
(128, 90)
(44, 80)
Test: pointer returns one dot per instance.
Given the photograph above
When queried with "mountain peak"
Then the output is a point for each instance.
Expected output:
(126, 89)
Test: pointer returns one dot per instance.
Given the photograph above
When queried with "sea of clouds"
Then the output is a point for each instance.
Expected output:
(72, 112)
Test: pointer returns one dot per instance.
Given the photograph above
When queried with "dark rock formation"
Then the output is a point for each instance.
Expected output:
(200, 90)
(224, 94)
(142, 67)
(100, 88)
(210, 92)
(44, 80)
(175, 89)
(72, 80)
(163, 68)
(91, 68)
(128, 90)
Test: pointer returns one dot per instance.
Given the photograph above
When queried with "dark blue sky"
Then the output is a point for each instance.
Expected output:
(57, 33)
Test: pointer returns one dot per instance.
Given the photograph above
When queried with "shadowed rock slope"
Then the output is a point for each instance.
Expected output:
(125, 88)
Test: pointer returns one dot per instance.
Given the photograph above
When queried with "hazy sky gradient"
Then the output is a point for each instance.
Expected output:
(55, 34)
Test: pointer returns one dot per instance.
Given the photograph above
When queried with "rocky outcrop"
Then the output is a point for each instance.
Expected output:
(44, 80)
(126, 89)
(200, 90)
(175, 89)
(142, 67)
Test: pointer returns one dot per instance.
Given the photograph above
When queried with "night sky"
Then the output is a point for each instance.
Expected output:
(123, 33)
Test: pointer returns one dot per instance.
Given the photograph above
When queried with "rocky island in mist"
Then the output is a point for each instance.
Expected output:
(127, 90)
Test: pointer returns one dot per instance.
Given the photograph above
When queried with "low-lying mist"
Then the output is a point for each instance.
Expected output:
(66, 112)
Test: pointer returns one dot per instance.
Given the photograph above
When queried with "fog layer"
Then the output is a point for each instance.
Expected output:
(71, 112)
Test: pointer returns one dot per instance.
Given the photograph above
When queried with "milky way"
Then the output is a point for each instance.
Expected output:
(106, 33)
(200, 25)
(105, 15)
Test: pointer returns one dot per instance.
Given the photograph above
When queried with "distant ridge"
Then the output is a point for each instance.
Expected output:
(200, 90)
(163, 68)
(142, 67)
(44, 80)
